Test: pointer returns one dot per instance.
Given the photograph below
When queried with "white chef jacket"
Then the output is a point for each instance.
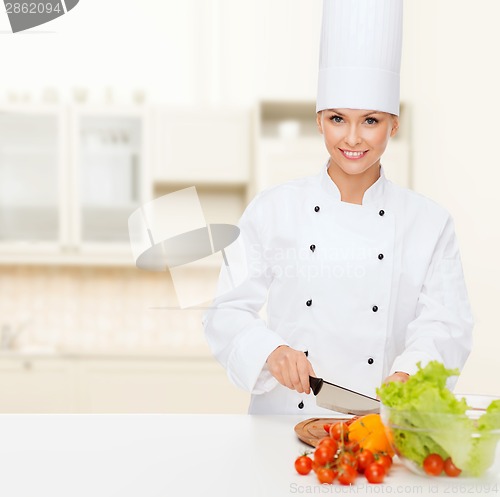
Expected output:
(366, 290)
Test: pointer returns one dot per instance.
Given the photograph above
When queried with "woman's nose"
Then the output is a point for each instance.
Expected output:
(353, 138)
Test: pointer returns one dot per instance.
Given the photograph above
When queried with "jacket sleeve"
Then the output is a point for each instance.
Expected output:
(442, 328)
(236, 334)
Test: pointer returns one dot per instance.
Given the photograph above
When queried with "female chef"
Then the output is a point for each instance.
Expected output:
(362, 278)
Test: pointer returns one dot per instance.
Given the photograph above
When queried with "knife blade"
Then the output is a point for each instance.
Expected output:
(341, 399)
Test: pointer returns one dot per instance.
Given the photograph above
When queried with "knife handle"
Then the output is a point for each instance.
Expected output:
(316, 384)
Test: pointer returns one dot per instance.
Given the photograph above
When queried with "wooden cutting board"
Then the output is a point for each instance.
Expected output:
(311, 430)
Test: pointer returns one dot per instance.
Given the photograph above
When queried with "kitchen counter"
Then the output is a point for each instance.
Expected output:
(178, 455)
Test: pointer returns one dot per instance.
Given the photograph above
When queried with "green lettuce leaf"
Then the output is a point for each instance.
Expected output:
(426, 417)
(484, 445)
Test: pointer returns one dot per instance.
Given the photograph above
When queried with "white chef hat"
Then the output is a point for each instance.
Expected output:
(360, 55)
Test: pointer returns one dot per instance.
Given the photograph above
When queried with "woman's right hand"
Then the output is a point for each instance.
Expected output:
(291, 368)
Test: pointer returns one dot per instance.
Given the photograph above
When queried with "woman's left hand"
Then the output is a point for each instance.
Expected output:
(397, 376)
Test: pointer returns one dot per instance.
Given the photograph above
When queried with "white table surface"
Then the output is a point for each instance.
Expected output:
(163, 455)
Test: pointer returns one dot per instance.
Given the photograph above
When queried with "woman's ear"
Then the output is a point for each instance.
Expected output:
(395, 125)
(319, 122)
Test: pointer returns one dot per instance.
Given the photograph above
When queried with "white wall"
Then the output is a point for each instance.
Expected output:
(187, 52)
(234, 51)
(451, 77)
(119, 43)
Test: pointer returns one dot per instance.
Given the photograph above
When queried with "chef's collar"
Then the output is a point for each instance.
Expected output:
(372, 195)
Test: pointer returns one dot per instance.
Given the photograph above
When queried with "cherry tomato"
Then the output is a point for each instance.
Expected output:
(365, 458)
(324, 454)
(383, 459)
(303, 465)
(339, 431)
(326, 427)
(326, 475)
(348, 458)
(433, 464)
(375, 473)
(352, 447)
(347, 474)
(450, 469)
(329, 441)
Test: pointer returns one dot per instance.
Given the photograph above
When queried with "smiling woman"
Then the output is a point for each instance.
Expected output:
(372, 281)
(355, 140)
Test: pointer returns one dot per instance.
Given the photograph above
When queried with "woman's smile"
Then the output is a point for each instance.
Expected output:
(353, 154)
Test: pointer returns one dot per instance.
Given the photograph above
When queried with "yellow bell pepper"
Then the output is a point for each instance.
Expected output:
(369, 432)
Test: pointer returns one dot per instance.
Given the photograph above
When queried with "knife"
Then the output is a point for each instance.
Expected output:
(337, 398)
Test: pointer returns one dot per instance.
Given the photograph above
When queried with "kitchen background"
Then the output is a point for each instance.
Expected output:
(120, 102)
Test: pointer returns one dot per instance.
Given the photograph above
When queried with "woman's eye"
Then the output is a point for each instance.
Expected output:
(336, 119)
(371, 120)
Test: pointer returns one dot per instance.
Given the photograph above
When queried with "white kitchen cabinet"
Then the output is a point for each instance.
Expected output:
(110, 175)
(288, 144)
(173, 386)
(33, 385)
(70, 175)
(207, 148)
(80, 384)
(202, 146)
(283, 160)
(33, 178)
(220, 203)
